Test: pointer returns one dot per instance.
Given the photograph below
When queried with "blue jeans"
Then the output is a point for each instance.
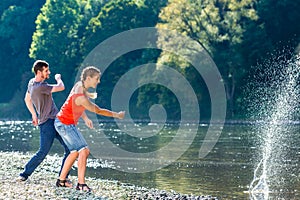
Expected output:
(47, 135)
(71, 136)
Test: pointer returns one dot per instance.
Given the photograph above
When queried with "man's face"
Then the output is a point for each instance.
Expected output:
(45, 73)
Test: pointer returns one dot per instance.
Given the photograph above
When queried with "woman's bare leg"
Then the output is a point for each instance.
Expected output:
(68, 164)
(82, 160)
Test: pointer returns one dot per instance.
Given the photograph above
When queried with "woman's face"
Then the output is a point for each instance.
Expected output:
(94, 81)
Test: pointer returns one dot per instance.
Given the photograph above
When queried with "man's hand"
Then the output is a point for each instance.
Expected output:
(59, 86)
(57, 77)
(35, 121)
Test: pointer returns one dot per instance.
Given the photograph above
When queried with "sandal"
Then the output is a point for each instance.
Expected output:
(62, 183)
(69, 181)
(83, 187)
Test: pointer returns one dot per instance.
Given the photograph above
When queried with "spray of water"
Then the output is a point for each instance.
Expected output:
(276, 105)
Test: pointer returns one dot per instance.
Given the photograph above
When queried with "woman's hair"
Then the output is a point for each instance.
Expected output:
(89, 71)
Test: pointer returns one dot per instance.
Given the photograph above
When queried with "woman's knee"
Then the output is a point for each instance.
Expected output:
(84, 152)
(74, 154)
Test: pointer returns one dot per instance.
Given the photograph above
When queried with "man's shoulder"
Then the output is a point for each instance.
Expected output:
(30, 84)
(31, 81)
(39, 87)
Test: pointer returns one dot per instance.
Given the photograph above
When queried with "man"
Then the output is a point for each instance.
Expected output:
(43, 110)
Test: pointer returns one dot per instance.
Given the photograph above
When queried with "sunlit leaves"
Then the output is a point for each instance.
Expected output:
(218, 25)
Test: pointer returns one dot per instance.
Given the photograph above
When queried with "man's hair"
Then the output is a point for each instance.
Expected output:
(38, 66)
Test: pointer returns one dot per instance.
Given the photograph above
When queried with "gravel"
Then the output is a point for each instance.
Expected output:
(41, 184)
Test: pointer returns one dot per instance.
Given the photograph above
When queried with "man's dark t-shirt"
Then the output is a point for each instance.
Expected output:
(41, 97)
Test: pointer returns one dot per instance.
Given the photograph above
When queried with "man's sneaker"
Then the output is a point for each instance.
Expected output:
(21, 179)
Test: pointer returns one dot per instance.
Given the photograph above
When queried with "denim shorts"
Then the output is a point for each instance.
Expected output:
(71, 136)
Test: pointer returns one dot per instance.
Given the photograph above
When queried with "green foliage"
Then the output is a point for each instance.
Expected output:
(219, 27)
(67, 30)
(281, 21)
(57, 39)
(56, 36)
(16, 108)
(236, 33)
(16, 28)
(113, 18)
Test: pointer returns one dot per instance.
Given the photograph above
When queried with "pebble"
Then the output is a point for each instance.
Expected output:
(41, 184)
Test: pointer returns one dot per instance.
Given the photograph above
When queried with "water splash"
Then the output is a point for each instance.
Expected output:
(259, 188)
(277, 103)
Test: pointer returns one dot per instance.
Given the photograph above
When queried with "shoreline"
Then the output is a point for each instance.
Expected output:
(226, 122)
(41, 184)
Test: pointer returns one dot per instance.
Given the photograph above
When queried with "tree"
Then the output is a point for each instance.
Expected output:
(67, 31)
(16, 28)
(59, 29)
(56, 36)
(218, 26)
(113, 18)
(281, 21)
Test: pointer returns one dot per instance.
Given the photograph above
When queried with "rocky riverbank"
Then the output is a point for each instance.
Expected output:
(41, 185)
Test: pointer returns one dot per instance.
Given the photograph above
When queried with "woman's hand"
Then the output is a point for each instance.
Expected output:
(120, 115)
(89, 123)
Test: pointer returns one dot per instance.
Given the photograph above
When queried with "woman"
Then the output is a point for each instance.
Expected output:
(67, 119)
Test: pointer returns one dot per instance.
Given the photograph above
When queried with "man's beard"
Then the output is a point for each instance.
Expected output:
(45, 77)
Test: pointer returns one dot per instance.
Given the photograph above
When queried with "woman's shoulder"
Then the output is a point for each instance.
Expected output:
(78, 89)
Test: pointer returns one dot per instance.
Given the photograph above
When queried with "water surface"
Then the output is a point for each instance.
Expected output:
(226, 172)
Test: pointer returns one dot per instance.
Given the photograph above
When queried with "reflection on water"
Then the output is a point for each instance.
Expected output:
(225, 172)
(18, 136)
